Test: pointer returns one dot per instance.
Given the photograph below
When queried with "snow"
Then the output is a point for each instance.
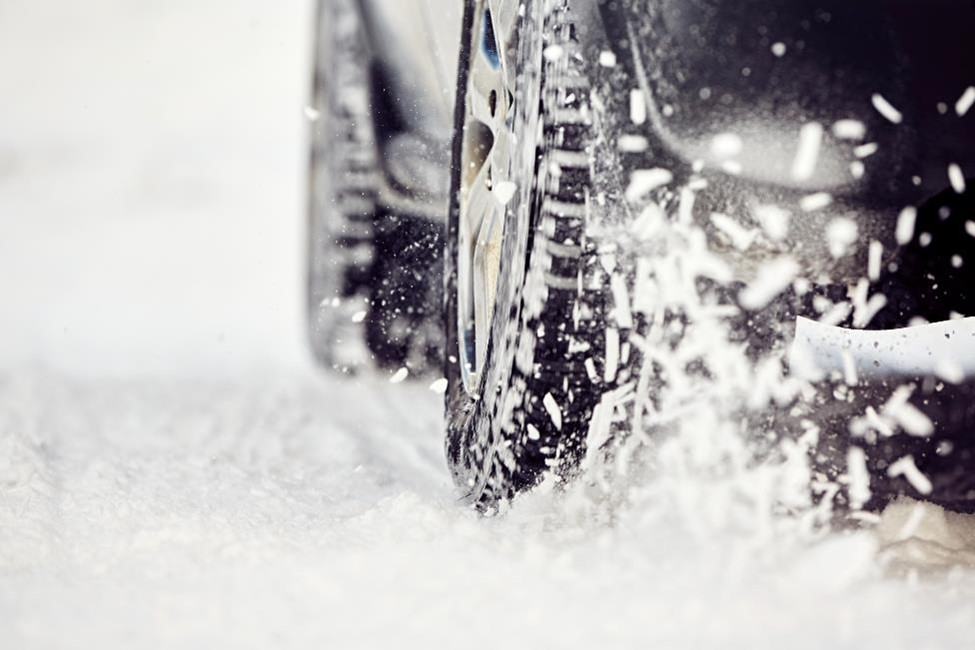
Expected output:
(173, 473)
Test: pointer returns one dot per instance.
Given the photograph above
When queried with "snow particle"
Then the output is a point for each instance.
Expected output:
(773, 278)
(359, 316)
(778, 49)
(554, 412)
(885, 108)
(904, 232)
(817, 201)
(726, 145)
(957, 178)
(439, 386)
(875, 257)
(553, 53)
(612, 354)
(841, 234)
(858, 476)
(632, 143)
(810, 140)
(644, 181)
(399, 376)
(638, 107)
(607, 59)
(312, 114)
(774, 221)
(741, 238)
(849, 129)
(965, 101)
(866, 150)
(905, 467)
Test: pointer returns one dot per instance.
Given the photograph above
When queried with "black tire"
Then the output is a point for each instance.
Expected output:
(374, 272)
(342, 190)
(529, 414)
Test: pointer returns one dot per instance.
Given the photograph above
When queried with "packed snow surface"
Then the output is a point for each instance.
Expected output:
(173, 473)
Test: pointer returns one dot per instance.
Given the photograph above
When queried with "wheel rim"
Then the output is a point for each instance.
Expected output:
(486, 184)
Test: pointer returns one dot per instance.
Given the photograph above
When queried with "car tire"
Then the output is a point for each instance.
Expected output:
(526, 414)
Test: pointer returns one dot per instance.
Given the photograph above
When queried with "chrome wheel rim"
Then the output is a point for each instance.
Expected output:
(486, 188)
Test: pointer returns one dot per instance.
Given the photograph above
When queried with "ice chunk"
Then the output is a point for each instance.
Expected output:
(773, 278)
(957, 178)
(904, 232)
(885, 108)
(810, 140)
(644, 181)
(965, 101)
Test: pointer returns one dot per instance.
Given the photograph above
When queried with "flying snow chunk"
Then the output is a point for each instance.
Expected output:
(638, 107)
(841, 233)
(849, 129)
(965, 101)
(970, 228)
(399, 376)
(778, 49)
(774, 221)
(359, 316)
(632, 143)
(874, 259)
(810, 140)
(858, 476)
(607, 59)
(554, 412)
(957, 178)
(644, 181)
(504, 191)
(866, 150)
(905, 467)
(439, 386)
(741, 238)
(773, 278)
(885, 108)
(904, 232)
(817, 201)
(553, 53)
(726, 145)
(312, 113)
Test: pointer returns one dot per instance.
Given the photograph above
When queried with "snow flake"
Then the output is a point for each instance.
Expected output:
(810, 141)
(886, 109)
(957, 178)
(638, 107)
(773, 278)
(849, 129)
(644, 181)
(904, 232)
(905, 467)
(554, 412)
(965, 101)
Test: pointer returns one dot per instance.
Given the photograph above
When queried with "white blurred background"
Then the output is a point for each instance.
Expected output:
(152, 168)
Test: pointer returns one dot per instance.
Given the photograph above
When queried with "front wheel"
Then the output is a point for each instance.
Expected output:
(522, 306)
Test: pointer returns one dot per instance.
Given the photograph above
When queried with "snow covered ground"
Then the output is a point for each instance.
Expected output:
(173, 473)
